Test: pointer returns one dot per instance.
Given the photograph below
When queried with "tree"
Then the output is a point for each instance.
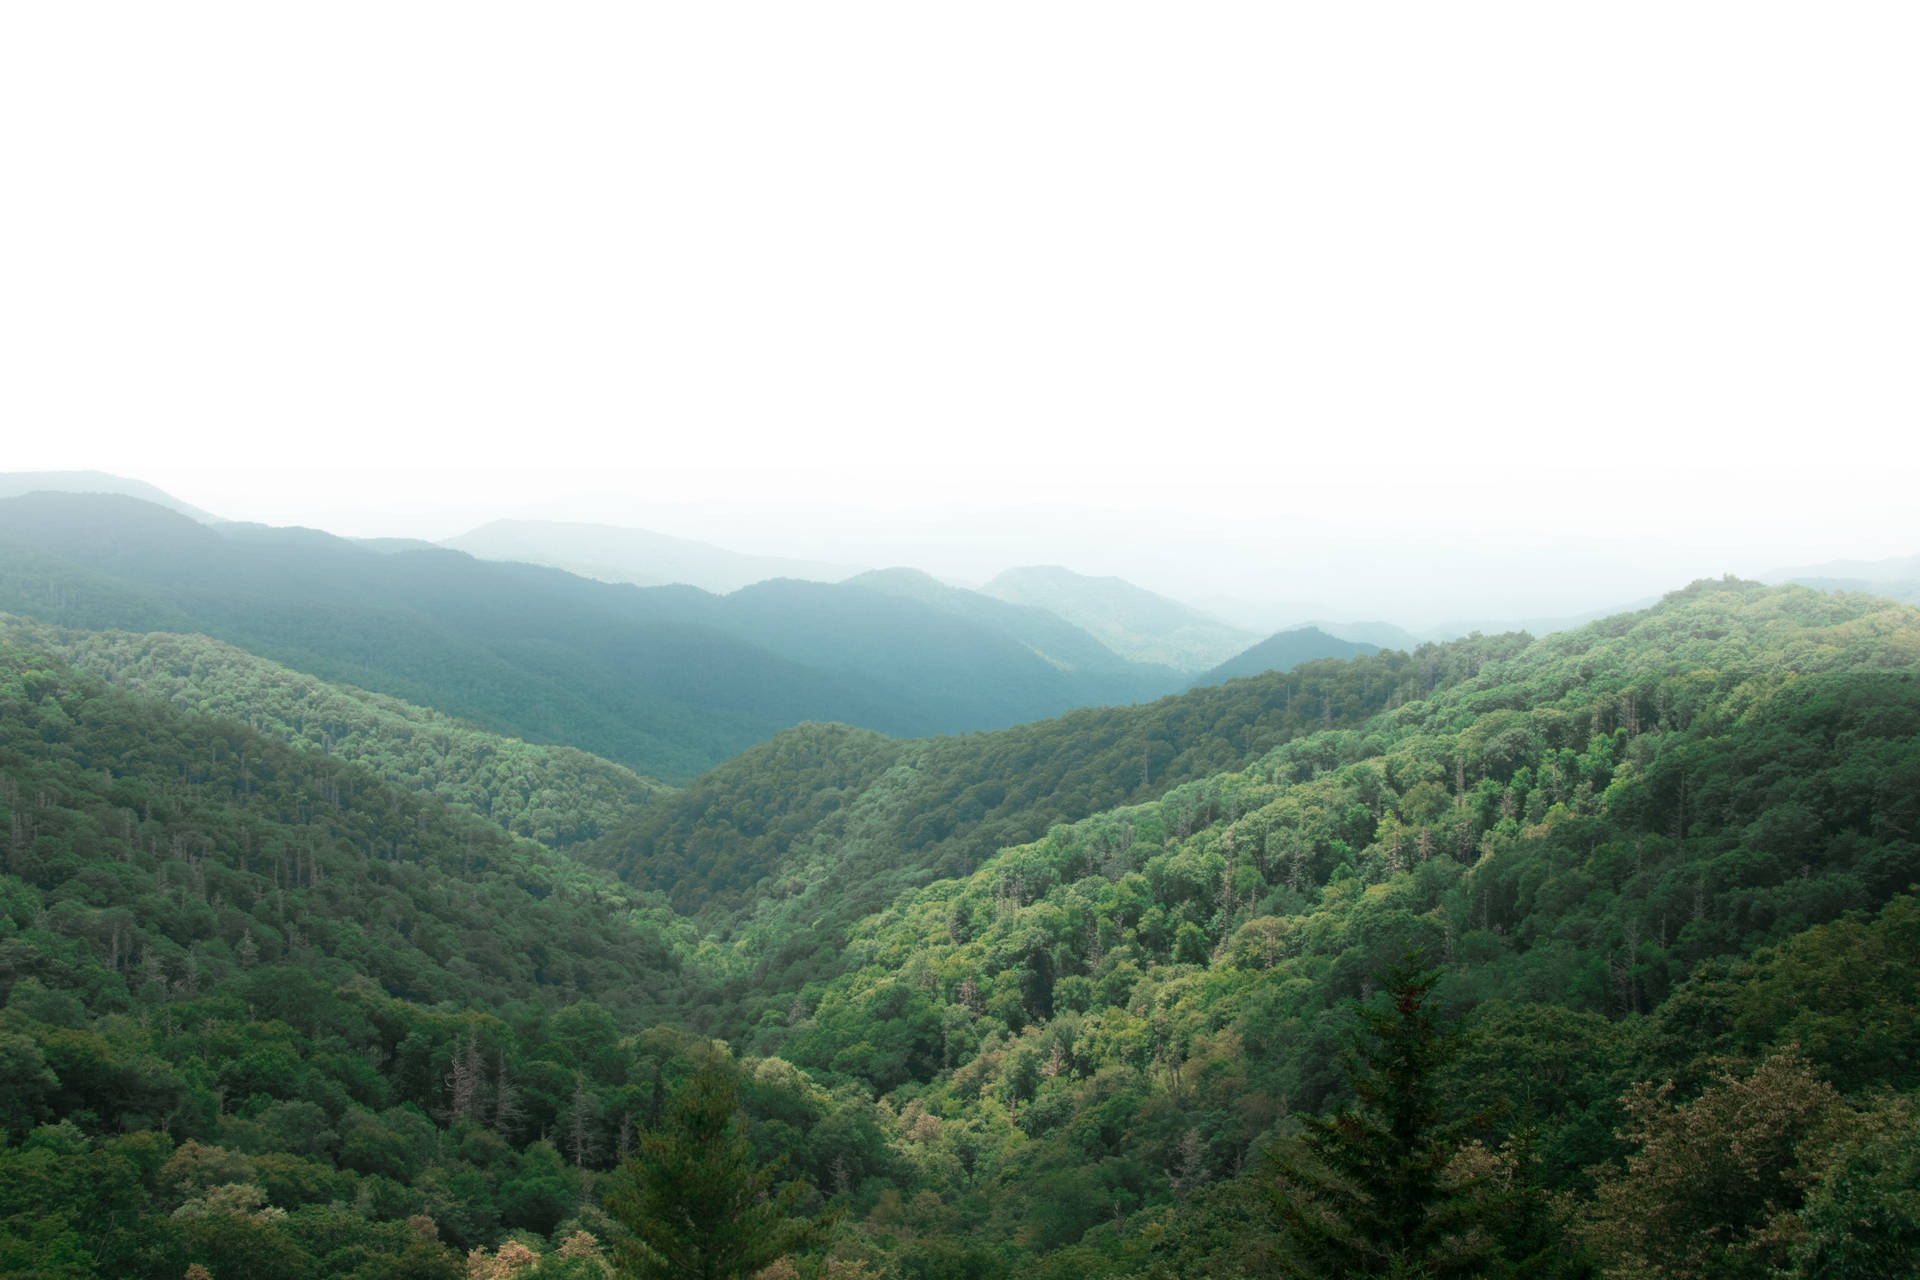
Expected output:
(1369, 1195)
(694, 1205)
(1712, 1184)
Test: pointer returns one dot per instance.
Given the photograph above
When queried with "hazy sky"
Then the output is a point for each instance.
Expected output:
(1407, 310)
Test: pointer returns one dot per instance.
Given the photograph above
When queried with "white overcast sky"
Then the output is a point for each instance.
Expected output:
(1405, 310)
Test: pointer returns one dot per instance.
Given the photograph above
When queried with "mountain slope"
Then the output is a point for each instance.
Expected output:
(1133, 622)
(612, 553)
(1283, 651)
(1627, 849)
(1045, 632)
(555, 794)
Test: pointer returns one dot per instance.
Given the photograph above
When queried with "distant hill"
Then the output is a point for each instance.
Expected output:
(611, 553)
(1896, 579)
(1283, 651)
(1381, 635)
(1049, 635)
(959, 667)
(1132, 621)
(15, 483)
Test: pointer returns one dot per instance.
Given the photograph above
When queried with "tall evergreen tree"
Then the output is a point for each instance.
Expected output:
(694, 1204)
(1370, 1197)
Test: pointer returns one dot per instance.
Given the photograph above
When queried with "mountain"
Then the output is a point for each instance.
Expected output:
(1083, 997)
(1283, 651)
(822, 823)
(611, 553)
(529, 652)
(1049, 635)
(1132, 621)
(1382, 635)
(557, 795)
(15, 483)
(668, 681)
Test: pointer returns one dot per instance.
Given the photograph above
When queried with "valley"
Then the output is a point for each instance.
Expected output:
(351, 889)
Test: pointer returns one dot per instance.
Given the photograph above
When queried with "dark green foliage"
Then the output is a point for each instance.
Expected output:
(693, 1202)
(1371, 1197)
(556, 795)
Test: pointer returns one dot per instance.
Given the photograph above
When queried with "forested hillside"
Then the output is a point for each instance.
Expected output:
(1066, 1000)
(557, 795)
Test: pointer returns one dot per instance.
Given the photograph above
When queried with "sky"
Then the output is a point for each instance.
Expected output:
(1405, 311)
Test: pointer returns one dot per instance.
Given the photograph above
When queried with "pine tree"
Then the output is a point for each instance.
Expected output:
(694, 1205)
(1371, 1198)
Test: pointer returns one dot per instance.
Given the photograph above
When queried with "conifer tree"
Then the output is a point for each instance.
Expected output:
(693, 1203)
(1371, 1198)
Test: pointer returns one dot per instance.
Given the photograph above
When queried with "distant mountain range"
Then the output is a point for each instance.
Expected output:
(1284, 651)
(1132, 621)
(611, 553)
(667, 680)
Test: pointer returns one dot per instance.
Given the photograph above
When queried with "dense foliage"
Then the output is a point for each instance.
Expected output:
(1066, 1000)
(557, 795)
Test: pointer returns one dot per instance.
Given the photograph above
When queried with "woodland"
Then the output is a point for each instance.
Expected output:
(388, 934)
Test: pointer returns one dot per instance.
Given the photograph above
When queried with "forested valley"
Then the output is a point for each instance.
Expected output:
(1586, 955)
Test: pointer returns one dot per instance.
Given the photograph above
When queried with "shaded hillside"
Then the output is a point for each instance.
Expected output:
(1283, 651)
(612, 553)
(181, 848)
(557, 795)
(1132, 621)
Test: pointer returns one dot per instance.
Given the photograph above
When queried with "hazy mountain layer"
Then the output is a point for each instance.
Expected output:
(530, 652)
(1132, 621)
(611, 553)
(1052, 637)
(669, 680)
(15, 483)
